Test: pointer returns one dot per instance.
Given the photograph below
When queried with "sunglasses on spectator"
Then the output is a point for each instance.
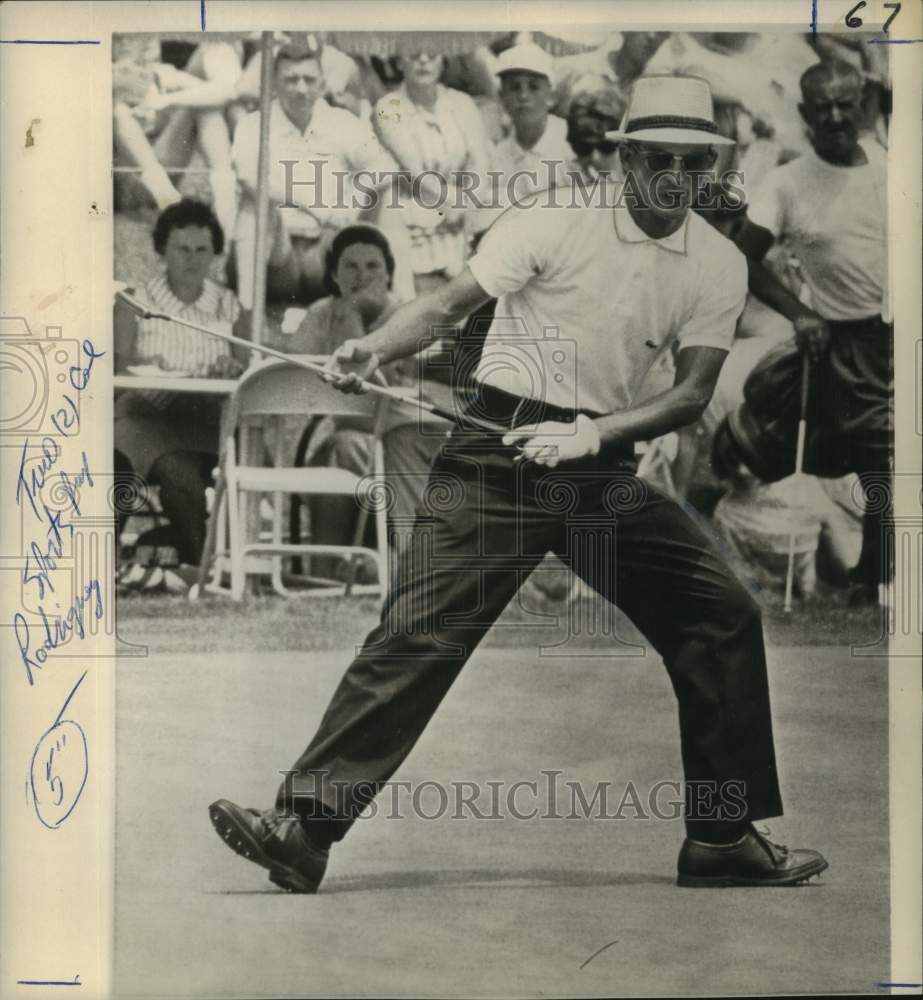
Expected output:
(605, 147)
(659, 160)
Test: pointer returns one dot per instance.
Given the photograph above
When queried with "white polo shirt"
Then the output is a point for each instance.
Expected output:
(335, 140)
(834, 219)
(509, 158)
(587, 302)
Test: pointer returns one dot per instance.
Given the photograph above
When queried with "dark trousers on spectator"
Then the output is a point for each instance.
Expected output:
(856, 406)
(485, 522)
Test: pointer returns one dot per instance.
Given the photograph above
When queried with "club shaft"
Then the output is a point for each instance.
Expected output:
(310, 366)
(799, 465)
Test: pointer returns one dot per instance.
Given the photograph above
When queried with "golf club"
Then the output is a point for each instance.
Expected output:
(799, 464)
(399, 397)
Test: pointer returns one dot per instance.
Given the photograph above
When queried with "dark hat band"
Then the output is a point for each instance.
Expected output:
(670, 121)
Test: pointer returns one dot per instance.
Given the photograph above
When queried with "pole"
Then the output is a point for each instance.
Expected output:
(262, 192)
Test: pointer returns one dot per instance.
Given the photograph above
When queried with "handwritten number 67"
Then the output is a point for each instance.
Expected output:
(852, 21)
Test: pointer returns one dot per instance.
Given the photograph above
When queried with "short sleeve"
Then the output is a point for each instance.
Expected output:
(720, 301)
(514, 250)
(766, 205)
(313, 335)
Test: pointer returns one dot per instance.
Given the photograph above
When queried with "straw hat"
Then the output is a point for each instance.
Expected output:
(670, 109)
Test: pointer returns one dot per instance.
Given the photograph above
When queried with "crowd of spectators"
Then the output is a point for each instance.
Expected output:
(382, 223)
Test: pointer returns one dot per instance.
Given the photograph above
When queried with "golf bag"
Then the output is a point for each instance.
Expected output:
(763, 431)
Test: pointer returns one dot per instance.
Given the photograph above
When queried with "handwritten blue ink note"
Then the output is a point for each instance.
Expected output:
(56, 629)
(59, 767)
(50, 982)
(80, 377)
(38, 466)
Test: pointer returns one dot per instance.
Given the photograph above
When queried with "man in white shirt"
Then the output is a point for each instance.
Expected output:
(587, 300)
(310, 143)
(830, 208)
(535, 153)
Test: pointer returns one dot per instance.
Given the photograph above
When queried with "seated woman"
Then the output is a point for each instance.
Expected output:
(171, 439)
(358, 277)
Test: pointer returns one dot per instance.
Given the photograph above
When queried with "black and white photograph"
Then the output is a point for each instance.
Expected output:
(464, 510)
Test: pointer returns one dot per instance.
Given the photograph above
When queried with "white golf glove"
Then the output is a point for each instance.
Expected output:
(551, 441)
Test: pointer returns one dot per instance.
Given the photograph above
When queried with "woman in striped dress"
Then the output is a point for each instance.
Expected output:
(171, 439)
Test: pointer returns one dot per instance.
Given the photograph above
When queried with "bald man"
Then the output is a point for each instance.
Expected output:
(830, 207)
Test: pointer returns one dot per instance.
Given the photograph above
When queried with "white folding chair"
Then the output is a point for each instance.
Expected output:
(266, 393)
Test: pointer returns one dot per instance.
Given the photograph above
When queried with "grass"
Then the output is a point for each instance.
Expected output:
(167, 623)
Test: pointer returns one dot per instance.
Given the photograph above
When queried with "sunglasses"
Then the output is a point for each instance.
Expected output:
(660, 160)
(605, 147)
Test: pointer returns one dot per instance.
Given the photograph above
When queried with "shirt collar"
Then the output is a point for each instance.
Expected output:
(628, 231)
(415, 109)
(548, 147)
(550, 140)
(207, 302)
(282, 122)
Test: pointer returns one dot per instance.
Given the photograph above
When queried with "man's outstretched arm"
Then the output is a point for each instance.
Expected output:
(697, 371)
(407, 331)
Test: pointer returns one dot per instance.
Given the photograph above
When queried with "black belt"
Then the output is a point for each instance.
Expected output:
(486, 402)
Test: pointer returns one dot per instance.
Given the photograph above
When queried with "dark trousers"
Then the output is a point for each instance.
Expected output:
(484, 524)
(855, 400)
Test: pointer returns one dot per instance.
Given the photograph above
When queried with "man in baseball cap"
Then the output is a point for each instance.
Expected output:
(535, 152)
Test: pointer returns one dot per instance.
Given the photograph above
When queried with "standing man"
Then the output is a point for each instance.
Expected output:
(620, 285)
(830, 206)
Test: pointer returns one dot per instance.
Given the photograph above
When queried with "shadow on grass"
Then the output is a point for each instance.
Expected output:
(473, 878)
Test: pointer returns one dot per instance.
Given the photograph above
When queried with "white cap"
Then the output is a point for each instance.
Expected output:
(528, 58)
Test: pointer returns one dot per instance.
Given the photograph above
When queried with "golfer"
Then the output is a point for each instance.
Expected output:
(588, 299)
